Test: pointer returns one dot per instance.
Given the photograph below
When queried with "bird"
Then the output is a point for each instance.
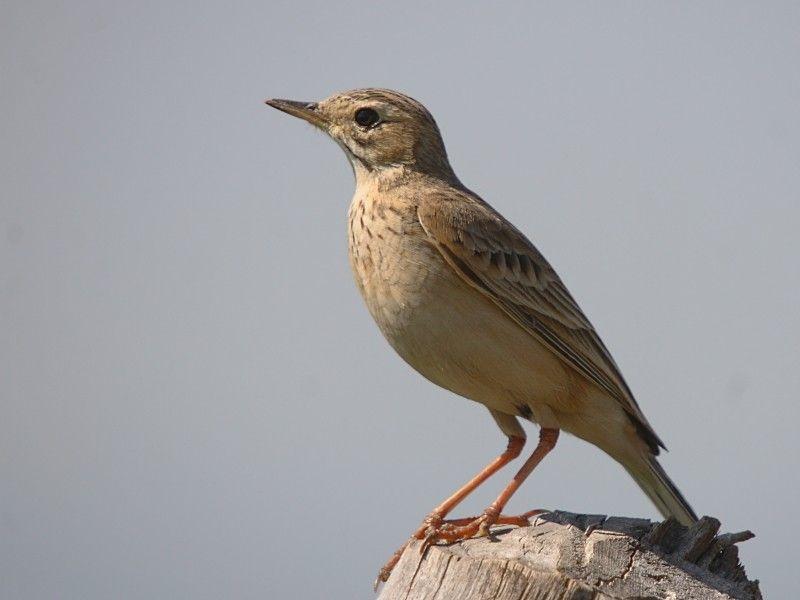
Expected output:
(470, 303)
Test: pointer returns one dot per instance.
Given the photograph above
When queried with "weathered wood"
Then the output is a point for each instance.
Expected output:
(564, 556)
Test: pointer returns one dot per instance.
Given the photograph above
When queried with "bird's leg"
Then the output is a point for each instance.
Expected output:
(450, 532)
(437, 515)
(436, 518)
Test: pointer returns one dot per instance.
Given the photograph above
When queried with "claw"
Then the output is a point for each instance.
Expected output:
(532, 513)
(435, 529)
(483, 529)
(386, 570)
(429, 540)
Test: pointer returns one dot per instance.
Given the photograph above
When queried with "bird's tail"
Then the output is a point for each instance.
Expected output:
(655, 482)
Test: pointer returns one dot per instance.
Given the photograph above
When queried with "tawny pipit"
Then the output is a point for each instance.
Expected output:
(471, 304)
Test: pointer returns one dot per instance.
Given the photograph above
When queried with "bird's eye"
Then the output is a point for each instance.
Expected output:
(367, 117)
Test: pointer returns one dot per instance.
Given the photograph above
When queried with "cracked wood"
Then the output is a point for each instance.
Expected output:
(564, 556)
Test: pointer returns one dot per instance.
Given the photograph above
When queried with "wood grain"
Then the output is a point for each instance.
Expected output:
(564, 556)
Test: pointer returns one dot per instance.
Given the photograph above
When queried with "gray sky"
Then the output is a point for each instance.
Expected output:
(195, 402)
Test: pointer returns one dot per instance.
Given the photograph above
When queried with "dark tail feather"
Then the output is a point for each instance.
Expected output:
(655, 482)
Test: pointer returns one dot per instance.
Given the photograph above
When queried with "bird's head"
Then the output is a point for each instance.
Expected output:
(378, 130)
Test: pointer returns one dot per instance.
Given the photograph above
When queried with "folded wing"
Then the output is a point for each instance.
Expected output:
(494, 257)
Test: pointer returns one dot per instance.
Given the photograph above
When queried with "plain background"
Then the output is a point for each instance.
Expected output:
(196, 404)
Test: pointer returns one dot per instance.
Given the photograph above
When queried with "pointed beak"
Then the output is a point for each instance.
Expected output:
(308, 111)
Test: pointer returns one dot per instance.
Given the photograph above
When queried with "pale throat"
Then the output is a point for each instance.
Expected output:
(386, 176)
(380, 178)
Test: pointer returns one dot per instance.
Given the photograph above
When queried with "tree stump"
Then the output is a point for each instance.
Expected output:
(564, 556)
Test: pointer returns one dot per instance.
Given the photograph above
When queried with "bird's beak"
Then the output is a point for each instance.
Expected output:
(307, 111)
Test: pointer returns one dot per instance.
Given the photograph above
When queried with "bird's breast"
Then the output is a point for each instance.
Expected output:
(395, 267)
(436, 322)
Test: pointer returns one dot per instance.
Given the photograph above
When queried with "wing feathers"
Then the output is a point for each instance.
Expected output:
(498, 260)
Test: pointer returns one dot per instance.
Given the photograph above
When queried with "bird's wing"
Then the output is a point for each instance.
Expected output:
(494, 257)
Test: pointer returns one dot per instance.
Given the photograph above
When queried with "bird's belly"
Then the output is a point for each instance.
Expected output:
(460, 340)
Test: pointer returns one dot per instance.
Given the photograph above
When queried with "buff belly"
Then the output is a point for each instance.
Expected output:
(461, 341)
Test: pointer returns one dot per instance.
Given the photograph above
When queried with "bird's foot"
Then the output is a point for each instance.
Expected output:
(435, 529)
(433, 520)
(455, 530)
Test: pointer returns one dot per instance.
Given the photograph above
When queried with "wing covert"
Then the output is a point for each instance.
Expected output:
(498, 260)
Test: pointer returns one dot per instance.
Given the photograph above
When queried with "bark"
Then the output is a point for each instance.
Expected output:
(564, 556)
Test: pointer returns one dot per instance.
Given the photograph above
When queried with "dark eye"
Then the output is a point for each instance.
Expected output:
(367, 117)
